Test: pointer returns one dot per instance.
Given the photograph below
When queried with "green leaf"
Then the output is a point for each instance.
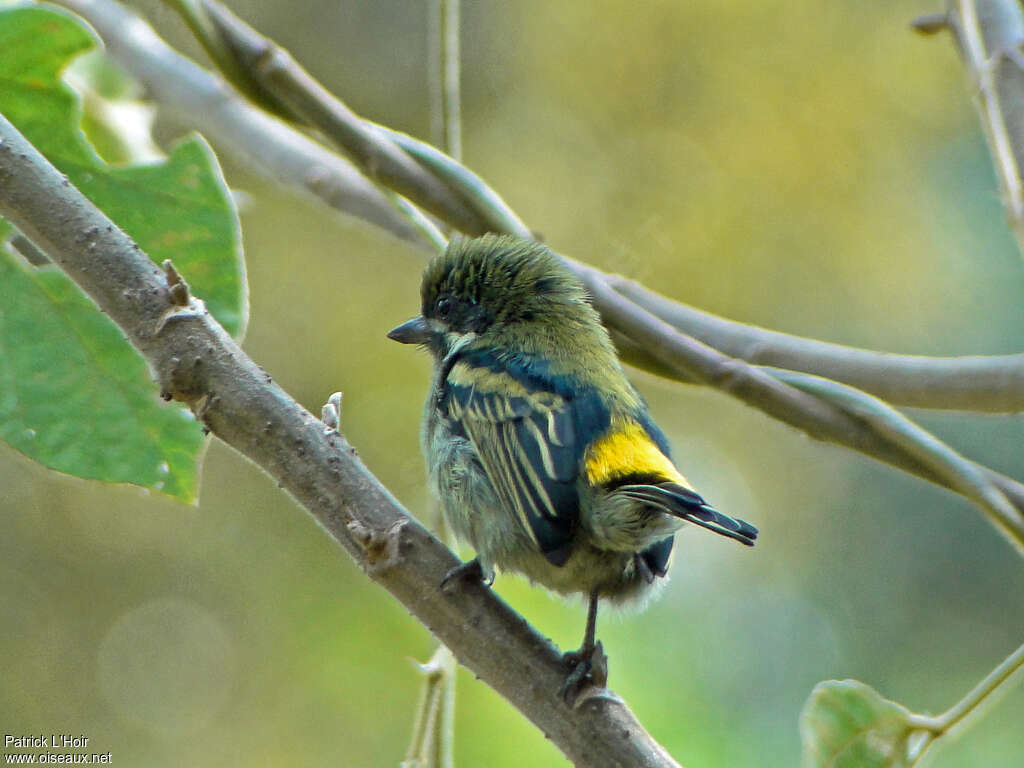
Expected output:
(80, 399)
(73, 394)
(847, 724)
(179, 209)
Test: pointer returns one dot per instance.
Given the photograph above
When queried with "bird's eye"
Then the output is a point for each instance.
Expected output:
(444, 308)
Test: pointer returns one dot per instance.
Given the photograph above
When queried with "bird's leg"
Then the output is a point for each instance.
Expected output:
(591, 631)
(589, 665)
(471, 570)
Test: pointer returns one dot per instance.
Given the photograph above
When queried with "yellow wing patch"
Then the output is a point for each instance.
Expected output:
(626, 449)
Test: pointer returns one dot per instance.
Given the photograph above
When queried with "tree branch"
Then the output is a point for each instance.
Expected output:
(988, 383)
(625, 308)
(976, 383)
(195, 361)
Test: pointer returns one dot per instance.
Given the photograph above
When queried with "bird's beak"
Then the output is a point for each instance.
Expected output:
(415, 331)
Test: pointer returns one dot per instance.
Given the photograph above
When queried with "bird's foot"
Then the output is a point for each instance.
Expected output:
(471, 570)
(588, 668)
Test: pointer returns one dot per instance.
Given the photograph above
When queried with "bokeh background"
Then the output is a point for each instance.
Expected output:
(812, 167)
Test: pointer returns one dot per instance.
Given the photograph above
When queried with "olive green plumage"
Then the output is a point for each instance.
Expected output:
(525, 301)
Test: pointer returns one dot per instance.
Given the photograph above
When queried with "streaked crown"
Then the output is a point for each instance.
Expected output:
(481, 282)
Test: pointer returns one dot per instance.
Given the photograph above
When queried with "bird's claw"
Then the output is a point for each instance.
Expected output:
(588, 668)
(471, 570)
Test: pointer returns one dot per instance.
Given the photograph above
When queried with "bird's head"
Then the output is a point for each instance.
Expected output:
(502, 292)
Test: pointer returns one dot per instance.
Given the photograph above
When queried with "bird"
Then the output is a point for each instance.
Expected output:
(541, 453)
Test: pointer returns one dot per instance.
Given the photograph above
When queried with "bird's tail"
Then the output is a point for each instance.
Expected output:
(673, 499)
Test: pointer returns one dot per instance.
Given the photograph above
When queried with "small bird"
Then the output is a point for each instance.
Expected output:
(541, 453)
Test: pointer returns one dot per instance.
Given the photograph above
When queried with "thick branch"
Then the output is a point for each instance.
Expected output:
(196, 362)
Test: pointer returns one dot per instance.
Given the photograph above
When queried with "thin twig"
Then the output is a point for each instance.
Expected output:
(489, 204)
(215, 29)
(444, 68)
(432, 741)
(943, 725)
(982, 691)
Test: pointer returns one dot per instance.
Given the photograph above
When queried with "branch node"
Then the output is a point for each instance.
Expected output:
(380, 548)
(183, 381)
(330, 414)
(165, 392)
(267, 58)
(176, 284)
(596, 694)
(193, 308)
(1010, 53)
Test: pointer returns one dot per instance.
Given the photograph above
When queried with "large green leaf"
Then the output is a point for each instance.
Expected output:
(847, 724)
(73, 394)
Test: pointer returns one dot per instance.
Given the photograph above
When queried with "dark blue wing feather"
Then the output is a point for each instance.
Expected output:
(656, 556)
(684, 503)
(530, 430)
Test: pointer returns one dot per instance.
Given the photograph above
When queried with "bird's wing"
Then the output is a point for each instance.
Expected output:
(530, 430)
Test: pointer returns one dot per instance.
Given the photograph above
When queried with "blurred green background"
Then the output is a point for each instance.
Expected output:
(807, 166)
